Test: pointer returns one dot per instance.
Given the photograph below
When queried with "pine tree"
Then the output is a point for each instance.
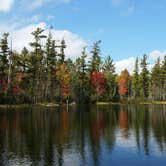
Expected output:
(94, 66)
(24, 65)
(95, 62)
(156, 80)
(109, 73)
(163, 78)
(62, 52)
(81, 84)
(36, 59)
(4, 61)
(4, 53)
(135, 81)
(23, 59)
(144, 77)
(50, 68)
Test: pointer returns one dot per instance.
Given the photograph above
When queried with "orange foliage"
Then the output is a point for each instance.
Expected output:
(63, 75)
(123, 82)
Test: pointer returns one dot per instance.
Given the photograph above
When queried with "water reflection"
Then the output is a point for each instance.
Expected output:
(113, 134)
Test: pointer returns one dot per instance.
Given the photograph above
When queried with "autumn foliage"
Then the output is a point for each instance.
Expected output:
(123, 82)
(13, 84)
(98, 82)
(63, 75)
(44, 74)
(3, 84)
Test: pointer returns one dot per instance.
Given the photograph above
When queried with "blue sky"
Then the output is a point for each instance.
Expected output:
(127, 28)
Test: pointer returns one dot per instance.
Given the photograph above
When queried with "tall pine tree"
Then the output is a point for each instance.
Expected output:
(135, 81)
(144, 78)
(109, 73)
(36, 60)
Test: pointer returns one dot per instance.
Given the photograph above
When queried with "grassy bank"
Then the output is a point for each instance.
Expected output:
(17, 106)
(134, 102)
(47, 104)
(154, 102)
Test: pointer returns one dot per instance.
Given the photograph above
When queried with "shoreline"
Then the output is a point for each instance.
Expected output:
(134, 102)
(50, 105)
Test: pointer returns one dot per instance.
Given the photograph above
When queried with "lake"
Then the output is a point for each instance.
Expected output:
(77, 136)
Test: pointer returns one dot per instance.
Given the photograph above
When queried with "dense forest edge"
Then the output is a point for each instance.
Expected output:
(43, 74)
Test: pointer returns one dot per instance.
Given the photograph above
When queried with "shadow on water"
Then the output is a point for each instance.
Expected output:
(84, 135)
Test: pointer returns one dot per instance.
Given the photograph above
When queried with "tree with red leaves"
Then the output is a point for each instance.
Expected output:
(98, 82)
(3, 85)
(123, 82)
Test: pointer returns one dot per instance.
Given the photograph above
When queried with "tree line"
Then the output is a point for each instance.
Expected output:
(44, 74)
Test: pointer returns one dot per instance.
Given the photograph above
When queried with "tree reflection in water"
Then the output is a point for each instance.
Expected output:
(81, 137)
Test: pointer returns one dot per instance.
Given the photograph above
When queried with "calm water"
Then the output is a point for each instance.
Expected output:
(110, 135)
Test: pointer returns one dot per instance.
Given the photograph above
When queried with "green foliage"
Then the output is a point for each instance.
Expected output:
(95, 62)
(136, 81)
(144, 78)
(36, 59)
(62, 53)
(4, 53)
(109, 72)
(156, 81)
(43, 74)
(80, 79)
(163, 78)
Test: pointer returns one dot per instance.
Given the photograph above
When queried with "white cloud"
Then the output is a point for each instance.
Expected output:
(38, 3)
(20, 21)
(5, 5)
(73, 41)
(156, 54)
(22, 37)
(125, 64)
(130, 62)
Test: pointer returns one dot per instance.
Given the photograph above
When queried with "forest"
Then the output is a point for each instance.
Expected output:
(44, 74)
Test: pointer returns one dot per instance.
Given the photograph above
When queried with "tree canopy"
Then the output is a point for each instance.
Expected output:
(44, 74)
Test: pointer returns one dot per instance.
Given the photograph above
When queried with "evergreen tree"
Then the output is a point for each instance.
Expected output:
(95, 62)
(24, 65)
(109, 72)
(81, 85)
(62, 52)
(144, 77)
(44, 74)
(163, 78)
(4, 63)
(156, 81)
(23, 59)
(4, 53)
(50, 68)
(36, 60)
(94, 66)
(135, 81)
(61, 66)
